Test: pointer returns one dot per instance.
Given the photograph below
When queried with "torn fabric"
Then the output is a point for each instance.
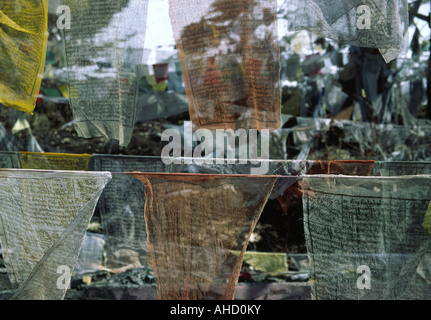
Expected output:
(229, 56)
(24, 38)
(54, 161)
(380, 24)
(366, 231)
(104, 47)
(193, 222)
(43, 218)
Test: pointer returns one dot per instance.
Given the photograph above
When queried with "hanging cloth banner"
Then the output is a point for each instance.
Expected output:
(23, 44)
(43, 219)
(121, 208)
(103, 46)
(10, 160)
(229, 56)
(123, 198)
(193, 223)
(54, 161)
(380, 24)
(365, 235)
(401, 168)
(161, 72)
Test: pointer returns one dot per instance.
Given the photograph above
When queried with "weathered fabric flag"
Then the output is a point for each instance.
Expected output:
(229, 56)
(380, 24)
(121, 208)
(24, 38)
(121, 204)
(366, 236)
(54, 161)
(43, 219)
(104, 46)
(400, 168)
(194, 221)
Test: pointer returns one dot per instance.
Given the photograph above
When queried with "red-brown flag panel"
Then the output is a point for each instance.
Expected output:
(161, 72)
(229, 56)
(194, 222)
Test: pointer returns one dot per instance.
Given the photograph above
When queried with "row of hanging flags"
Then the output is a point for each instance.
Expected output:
(356, 213)
(228, 52)
(229, 58)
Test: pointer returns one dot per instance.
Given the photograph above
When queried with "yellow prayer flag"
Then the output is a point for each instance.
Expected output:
(24, 37)
(54, 161)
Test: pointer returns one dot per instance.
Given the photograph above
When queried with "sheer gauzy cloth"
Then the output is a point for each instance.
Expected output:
(121, 209)
(229, 56)
(43, 219)
(103, 48)
(366, 231)
(380, 24)
(401, 168)
(194, 223)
